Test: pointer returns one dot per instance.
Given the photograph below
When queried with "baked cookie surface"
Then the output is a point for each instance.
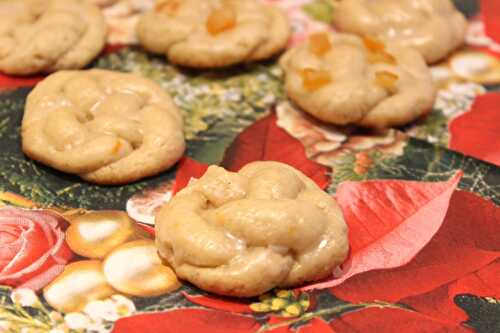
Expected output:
(244, 233)
(107, 127)
(433, 27)
(213, 33)
(49, 35)
(344, 79)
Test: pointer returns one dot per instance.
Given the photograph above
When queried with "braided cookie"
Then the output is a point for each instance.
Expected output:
(242, 234)
(107, 127)
(433, 27)
(343, 79)
(49, 35)
(213, 33)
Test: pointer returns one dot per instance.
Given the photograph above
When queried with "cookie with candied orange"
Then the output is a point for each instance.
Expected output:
(213, 33)
(344, 79)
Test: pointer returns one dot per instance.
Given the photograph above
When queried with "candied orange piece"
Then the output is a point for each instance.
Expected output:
(168, 7)
(373, 44)
(319, 43)
(377, 53)
(220, 20)
(387, 81)
(381, 57)
(313, 79)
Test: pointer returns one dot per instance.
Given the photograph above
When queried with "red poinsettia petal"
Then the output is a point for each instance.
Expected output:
(440, 302)
(219, 303)
(13, 82)
(316, 325)
(276, 324)
(392, 320)
(437, 304)
(187, 169)
(484, 282)
(265, 141)
(262, 141)
(389, 221)
(187, 320)
(466, 242)
(476, 132)
(149, 229)
(112, 48)
(282, 325)
(490, 12)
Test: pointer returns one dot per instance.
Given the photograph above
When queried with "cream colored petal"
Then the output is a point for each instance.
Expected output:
(81, 282)
(135, 268)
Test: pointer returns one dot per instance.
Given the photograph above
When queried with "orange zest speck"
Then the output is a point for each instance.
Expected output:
(220, 20)
(117, 147)
(168, 7)
(386, 80)
(319, 43)
(313, 79)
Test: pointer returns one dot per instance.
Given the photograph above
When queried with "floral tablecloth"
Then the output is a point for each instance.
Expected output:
(436, 265)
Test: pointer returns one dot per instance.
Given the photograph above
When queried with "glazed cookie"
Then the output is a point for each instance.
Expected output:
(213, 33)
(433, 27)
(343, 79)
(49, 35)
(242, 234)
(107, 127)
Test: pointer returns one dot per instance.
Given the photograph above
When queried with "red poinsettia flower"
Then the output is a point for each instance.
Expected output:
(262, 141)
(389, 221)
(476, 132)
(462, 258)
(32, 247)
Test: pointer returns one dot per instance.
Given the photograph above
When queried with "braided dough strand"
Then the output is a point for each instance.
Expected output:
(180, 30)
(46, 36)
(107, 127)
(244, 233)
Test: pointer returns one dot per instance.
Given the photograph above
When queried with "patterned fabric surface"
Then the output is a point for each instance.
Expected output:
(435, 261)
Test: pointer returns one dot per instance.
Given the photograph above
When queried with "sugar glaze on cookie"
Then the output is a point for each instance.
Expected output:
(242, 234)
(107, 127)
